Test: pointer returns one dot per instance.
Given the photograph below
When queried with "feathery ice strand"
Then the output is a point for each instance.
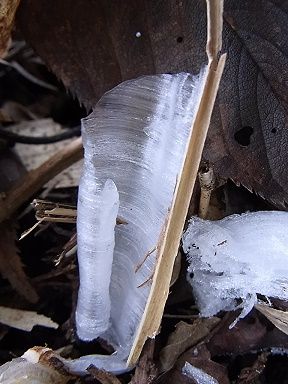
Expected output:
(236, 258)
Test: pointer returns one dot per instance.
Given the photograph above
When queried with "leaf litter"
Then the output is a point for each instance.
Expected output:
(224, 355)
(247, 140)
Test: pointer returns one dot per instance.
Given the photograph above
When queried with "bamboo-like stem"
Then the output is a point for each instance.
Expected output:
(167, 250)
(35, 179)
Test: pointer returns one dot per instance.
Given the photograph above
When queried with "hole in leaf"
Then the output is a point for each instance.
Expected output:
(273, 130)
(243, 136)
(179, 39)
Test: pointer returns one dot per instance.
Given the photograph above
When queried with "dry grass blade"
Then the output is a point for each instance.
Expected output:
(168, 248)
(276, 316)
(49, 211)
(10, 264)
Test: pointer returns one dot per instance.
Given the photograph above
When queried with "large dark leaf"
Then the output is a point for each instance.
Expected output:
(93, 45)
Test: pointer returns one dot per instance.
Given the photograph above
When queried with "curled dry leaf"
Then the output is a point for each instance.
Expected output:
(7, 12)
(24, 320)
(184, 337)
(277, 317)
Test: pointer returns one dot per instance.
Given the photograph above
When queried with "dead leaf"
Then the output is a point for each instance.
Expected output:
(92, 46)
(277, 317)
(249, 139)
(243, 337)
(198, 357)
(11, 267)
(184, 337)
(7, 12)
(24, 320)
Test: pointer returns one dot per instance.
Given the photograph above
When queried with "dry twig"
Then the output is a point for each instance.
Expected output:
(34, 180)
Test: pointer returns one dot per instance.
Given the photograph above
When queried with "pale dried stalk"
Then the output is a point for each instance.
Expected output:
(214, 28)
(54, 212)
(47, 211)
(206, 180)
(35, 179)
(168, 248)
(276, 316)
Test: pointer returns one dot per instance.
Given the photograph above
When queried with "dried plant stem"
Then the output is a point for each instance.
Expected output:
(206, 179)
(34, 180)
(54, 212)
(168, 247)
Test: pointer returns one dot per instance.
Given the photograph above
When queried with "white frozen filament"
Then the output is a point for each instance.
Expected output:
(234, 259)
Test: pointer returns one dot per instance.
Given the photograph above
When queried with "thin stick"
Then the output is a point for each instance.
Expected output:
(167, 249)
(35, 179)
(214, 28)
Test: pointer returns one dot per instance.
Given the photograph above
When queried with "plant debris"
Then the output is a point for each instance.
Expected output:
(24, 320)
(247, 139)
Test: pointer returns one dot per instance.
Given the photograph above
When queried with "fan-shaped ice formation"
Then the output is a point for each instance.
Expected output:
(137, 137)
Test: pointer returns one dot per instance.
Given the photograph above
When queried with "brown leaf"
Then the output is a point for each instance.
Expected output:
(7, 13)
(92, 46)
(249, 139)
(243, 337)
(184, 337)
(198, 357)
(11, 267)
